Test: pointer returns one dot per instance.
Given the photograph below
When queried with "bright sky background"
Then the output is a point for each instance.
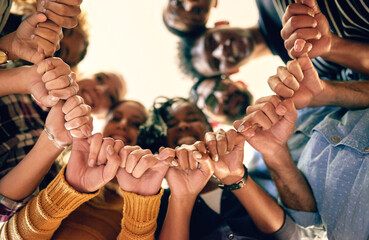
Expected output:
(129, 37)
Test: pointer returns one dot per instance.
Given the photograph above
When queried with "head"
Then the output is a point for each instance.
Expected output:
(187, 17)
(219, 50)
(221, 99)
(73, 46)
(102, 91)
(173, 122)
(124, 121)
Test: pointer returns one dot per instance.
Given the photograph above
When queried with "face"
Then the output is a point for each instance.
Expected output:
(186, 15)
(101, 91)
(223, 98)
(124, 122)
(72, 46)
(222, 49)
(186, 125)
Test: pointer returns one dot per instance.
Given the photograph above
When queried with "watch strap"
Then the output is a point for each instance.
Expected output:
(238, 184)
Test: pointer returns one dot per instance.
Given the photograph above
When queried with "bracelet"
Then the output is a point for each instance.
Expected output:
(3, 56)
(237, 185)
(49, 135)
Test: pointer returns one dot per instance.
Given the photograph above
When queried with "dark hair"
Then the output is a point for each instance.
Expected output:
(153, 134)
(194, 33)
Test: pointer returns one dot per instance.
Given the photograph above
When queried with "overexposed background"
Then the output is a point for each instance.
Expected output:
(129, 37)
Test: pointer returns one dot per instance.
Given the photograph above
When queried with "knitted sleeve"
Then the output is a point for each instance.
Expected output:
(139, 216)
(43, 214)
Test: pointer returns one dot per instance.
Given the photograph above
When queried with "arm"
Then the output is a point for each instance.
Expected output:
(267, 127)
(140, 177)
(300, 81)
(186, 181)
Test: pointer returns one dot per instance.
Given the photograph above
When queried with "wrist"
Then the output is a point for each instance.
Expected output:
(231, 184)
(6, 45)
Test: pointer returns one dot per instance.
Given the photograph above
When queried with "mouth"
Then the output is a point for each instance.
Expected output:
(88, 99)
(186, 140)
(120, 137)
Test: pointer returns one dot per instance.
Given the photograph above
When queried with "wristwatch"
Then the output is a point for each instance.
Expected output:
(237, 185)
(3, 56)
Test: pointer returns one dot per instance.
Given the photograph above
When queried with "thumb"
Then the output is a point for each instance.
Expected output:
(36, 18)
(287, 110)
(49, 100)
(305, 63)
(311, 3)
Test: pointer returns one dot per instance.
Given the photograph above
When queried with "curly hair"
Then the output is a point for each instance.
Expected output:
(153, 134)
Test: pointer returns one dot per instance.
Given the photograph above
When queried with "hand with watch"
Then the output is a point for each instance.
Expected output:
(226, 149)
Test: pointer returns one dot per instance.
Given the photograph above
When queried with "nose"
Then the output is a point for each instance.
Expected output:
(188, 5)
(123, 124)
(101, 88)
(223, 50)
(183, 125)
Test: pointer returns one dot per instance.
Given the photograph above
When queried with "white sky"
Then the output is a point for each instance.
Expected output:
(129, 37)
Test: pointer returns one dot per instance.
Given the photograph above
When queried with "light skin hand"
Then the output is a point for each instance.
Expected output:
(298, 81)
(306, 30)
(143, 172)
(84, 178)
(62, 12)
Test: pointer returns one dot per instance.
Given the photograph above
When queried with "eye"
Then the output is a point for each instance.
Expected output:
(172, 123)
(197, 10)
(176, 3)
(135, 124)
(99, 79)
(211, 101)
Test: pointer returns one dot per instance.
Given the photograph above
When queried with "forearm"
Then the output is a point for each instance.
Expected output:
(43, 214)
(14, 81)
(177, 221)
(351, 94)
(6, 45)
(139, 216)
(267, 215)
(292, 186)
(21, 181)
(354, 55)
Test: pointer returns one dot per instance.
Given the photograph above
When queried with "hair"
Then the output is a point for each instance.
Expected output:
(194, 33)
(184, 47)
(117, 104)
(153, 134)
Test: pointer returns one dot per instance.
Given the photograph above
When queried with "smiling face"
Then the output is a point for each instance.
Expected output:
(186, 124)
(72, 46)
(102, 91)
(223, 98)
(124, 122)
(221, 50)
(188, 15)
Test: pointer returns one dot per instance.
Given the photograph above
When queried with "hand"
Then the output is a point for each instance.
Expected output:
(306, 30)
(35, 39)
(84, 178)
(298, 81)
(268, 125)
(187, 180)
(70, 119)
(140, 171)
(53, 81)
(62, 12)
(226, 150)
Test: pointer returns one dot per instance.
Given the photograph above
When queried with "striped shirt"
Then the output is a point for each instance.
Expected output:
(348, 19)
(5, 6)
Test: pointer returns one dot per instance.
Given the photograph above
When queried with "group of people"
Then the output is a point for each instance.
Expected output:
(309, 178)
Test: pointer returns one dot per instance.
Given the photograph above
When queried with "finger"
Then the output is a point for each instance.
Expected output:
(279, 88)
(267, 109)
(35, 19)
(72, 103)
(165, 153)
(294, 68)
(231, 139)
(298, 39)
(65, 93)
(305, 63)
(124, 153)
(59, 83)
(307, 48)
(211, 145)
(134, 157)
(63, 9)
(297, 9)
(51, 26)
(192, 161)
(145, 163)
(101, 158)
(274, 99)
(70, 2)
(47, 47)
(287, 78)
(297, 22)
(47, 34)
(60, 68)
(83, 131)
(63, 21)
(245, 128)
(112, 164)
(48, 100)
(76, 122)
(95, 145)
(182, 158)
(221, 140)
(79, 111)
(119, 144)
(290, 113)
(312, 4)
(200, 146)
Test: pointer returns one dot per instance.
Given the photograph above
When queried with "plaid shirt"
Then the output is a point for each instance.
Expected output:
(21, 123)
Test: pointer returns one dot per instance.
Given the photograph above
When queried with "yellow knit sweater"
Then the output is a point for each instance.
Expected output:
(58, 212)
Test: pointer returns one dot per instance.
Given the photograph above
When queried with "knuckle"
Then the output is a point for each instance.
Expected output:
(278, 88)
(294, 21)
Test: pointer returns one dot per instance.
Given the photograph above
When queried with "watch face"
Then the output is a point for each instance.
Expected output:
(3, 57)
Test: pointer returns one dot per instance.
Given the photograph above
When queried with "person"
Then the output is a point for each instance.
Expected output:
(187, 18)
(139, 174)
(102, 91)
(26, 131)
(191, 214)
(221, 99)
(328, 145)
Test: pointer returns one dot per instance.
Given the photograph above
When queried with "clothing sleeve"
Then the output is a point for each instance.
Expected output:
(139, 216)
(289, 230)
(304, 219)
(43, 214)
(9, 207)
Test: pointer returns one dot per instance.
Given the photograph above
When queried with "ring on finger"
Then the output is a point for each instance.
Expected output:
(70, 80)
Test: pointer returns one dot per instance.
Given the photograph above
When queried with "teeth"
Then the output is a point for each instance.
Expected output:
(88, 98)
(186, 140)
(235, 49)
